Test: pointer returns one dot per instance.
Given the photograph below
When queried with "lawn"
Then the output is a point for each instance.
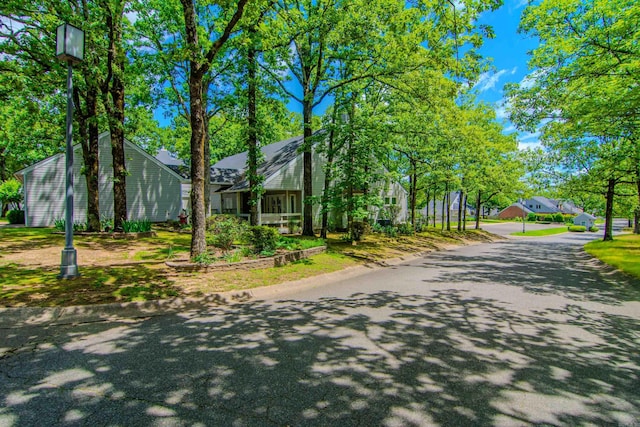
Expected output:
(543, 232)
(135, 270)
(623, 253)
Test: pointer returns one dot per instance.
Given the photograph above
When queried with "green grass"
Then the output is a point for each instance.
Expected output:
(622, 253)
(543, 232)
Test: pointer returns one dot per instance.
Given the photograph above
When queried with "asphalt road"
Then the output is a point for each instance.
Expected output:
(521, 332)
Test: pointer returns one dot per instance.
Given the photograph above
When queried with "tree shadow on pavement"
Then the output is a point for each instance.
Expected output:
(379, 359)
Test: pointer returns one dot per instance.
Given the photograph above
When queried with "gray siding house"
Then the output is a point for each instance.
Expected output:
(153, 189)
(281, 204)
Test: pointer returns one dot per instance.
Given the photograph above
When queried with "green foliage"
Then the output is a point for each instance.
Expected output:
(532, 217)
(577, 228)
(296, 244)
(136, 226)
(15, 216)
(106, 224)
(59, 224)
(263, 238)
(558, 217)
(225, 230)
(204, 258)
(405, 228)
(548, 218)
(593, 229)
(11, 192)
(359, 229)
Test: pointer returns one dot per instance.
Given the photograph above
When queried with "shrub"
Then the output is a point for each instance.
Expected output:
(224, 230)
(58, 224)
(106, 224)
(558, 217)
(548, 218)
(263, 238)
(15, 216)
(531, 217)
(11, 193)
(136, 226)
(577, 228)
(593, 229)
(359, 229)
(405, 228)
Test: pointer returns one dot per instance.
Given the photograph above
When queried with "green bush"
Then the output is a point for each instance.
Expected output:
(548, 218)
(359, 229)
(263, 239)
(224, 230)
(558, 217)
(577, 228)
(15, 216)
(405, 228)
(531, 217)
(58, 224)
(136, 226)
(593, 229)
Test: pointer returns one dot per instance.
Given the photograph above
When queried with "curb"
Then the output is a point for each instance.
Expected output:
(24, 317)
(20, 317)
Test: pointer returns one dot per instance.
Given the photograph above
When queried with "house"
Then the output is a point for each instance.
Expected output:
(434, 207)
(282, 202)
(516, 210)
(540, 206)
(153, 189)
(544, 206)
(585, 219)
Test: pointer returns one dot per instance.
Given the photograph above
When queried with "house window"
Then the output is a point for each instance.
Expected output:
(390, 201)
(292, 203)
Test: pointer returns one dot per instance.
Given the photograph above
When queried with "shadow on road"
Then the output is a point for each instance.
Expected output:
(380, 359)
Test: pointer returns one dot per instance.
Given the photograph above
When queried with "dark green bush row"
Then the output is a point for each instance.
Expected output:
(15, 216)
(558, 217)
(577, 228)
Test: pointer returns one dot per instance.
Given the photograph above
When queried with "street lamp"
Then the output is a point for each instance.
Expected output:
(69, 48)
(523, 212)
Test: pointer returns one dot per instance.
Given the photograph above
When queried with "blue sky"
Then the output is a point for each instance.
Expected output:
(508, 51)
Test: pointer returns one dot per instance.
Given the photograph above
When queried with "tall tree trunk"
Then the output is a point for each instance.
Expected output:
(636, 213)
(252, 134)
(448, 207)
(608, 226)
(328, 176)
(307, 211)
(207, 166)
(113, 97)
(427, 196)
(478, 207)
(460, 196)
(464, 213)
(414, 190)
(89, 136)
(198, 66)
(443, 213)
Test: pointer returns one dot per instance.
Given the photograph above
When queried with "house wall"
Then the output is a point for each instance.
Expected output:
(153, 192)
(511, 212)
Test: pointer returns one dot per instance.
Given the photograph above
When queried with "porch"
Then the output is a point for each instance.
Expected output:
(281, 209)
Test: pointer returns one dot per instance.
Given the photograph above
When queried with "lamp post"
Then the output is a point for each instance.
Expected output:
(69, 48)
(523, 212)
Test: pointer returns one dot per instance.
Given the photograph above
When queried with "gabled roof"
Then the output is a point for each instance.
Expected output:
(78, 153)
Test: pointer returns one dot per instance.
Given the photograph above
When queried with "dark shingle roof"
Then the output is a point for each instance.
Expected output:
(231, 170)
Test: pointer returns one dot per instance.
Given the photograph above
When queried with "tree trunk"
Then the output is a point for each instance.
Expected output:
(89, 135)
(448, 207)
(636, 214)
(307, 211)
(460, 196)
(252, 134)
(414, 189)
(328, 172)
(608, 227)
(478, 207)
(443, 214)
(207, 166)
(428, 195)
(113, 99)
(464, 213)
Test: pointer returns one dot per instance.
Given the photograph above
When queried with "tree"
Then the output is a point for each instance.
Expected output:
(10, 193)
(584, 94)
(201, 55)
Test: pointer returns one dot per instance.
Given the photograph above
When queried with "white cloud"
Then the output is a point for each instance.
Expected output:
(488, 81)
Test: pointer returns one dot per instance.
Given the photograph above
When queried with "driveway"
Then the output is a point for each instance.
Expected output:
(521, 332)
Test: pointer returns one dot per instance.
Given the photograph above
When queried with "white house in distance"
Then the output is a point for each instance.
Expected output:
(585, 219)
(153, 190)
